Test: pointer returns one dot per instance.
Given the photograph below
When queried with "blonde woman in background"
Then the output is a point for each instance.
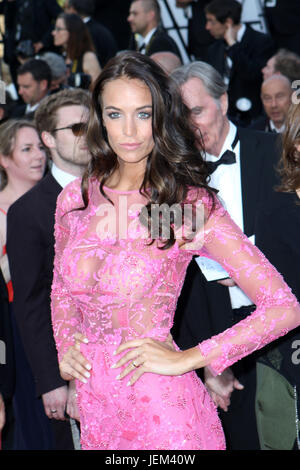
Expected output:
(22, 165)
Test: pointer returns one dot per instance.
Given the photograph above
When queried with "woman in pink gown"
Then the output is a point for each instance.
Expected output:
(118, 276)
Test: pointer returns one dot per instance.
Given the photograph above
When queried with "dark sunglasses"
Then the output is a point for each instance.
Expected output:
(78, 129)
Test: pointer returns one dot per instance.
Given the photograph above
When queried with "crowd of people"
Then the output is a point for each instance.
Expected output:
(102, 122)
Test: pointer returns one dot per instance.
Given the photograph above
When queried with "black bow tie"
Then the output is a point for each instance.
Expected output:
(227, 158)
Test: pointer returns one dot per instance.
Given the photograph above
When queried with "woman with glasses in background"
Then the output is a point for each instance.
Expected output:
(72, 35)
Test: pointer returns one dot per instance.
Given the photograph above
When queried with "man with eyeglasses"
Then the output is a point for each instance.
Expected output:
(61, 121)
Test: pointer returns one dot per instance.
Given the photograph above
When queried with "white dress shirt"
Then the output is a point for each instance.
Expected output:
(279, 130)
(227, 179)
(62, 177)
(31, 109)
(145, 40)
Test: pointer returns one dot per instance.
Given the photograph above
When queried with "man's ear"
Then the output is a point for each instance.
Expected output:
(48, 139)
(44, 85)
(224, 103)
(229, 22)
(151, 15)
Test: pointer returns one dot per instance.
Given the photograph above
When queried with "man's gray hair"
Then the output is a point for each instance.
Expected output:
(56, 63)
(209, 76)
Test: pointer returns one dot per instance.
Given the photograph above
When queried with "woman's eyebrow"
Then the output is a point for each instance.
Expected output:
(140, 107)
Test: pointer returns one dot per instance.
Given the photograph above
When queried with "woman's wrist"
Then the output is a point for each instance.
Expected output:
(193, 359)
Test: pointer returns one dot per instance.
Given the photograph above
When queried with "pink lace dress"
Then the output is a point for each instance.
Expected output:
(111, 285)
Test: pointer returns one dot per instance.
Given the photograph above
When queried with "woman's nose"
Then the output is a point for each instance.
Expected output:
(129, 126)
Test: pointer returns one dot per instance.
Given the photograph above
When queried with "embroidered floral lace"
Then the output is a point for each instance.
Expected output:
(112, 285)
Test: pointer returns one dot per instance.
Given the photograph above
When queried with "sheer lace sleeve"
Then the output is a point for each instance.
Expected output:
(66, 319)
(277, 309)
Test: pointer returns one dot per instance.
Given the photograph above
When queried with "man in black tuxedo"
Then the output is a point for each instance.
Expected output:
(30, 247)
(241, 163)
(239, 54)
(144, 19)
(104, 42)
(276, 96)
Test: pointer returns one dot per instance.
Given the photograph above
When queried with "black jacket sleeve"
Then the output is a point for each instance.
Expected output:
(31, 251)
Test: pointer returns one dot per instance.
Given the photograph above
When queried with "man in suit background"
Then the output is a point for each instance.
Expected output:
(104, 42)
(148, 36)
(284, 62)
(30, 247)
(241, 164)
(239, 54)
(34, 82)
(276, 94)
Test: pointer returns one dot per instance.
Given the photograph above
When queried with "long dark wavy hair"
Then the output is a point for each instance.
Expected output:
(80, 40)
(175, 164)
(289, 165)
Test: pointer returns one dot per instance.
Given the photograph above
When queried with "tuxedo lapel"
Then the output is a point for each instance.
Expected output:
(250, 175)
(217, 58)
(44, 202)
(51, 185)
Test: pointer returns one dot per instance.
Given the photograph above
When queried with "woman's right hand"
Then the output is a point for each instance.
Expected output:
(74, 365)
(2, 413)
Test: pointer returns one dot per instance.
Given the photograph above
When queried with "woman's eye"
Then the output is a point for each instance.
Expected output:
(114, 115)
(144, 115)
(26, 149)
(197, 112)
